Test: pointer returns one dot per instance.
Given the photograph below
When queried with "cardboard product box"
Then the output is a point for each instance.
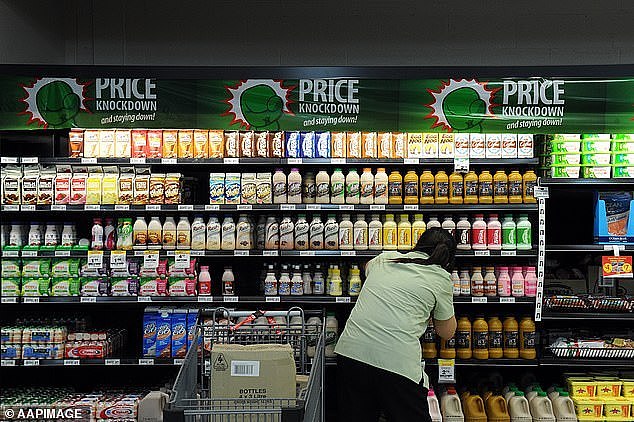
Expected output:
(256, 371)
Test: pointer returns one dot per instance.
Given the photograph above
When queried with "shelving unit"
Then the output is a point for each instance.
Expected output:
(606, 316)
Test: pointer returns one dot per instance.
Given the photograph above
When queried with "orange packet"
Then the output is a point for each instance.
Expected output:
(216, 144)
(170, 141)
(155, 143)
(201, 143)
(186, 144)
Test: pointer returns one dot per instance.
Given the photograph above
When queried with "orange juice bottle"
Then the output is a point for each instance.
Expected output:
(429, 343)
(510, 332)
(395, 188)
(515, 187)
(410, 182)
(500, 188)
(471, 188)
(495, 338)
(480, 338)
(527, 339)
(448, 348)
(456, 188)
(442, 188)
(427, 187)
(485, 187)
(463, 338)
(528, 187)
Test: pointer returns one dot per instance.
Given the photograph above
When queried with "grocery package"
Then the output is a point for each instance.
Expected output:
(612, 217)
(168, 332)
(612, 347)
(597, 396)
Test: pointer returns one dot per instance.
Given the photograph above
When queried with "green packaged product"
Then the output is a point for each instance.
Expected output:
(570, 172)
(566, 158)
(10, 286)
(597, 172)
(622, 172)
(596, 158)
(565, 146)
(623, 159)
(594, 145)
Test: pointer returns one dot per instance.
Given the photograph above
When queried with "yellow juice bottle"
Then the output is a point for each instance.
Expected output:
(427, 187)
(442, 188)
(395, 188)
(411, 187)
(456, 188)
(390, 233)
(485, 188)
(471, 188)
(515, 187)
(528, 187)
(500, 187)
(418, 228)
(404, 233)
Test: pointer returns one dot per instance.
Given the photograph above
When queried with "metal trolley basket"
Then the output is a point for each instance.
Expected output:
(191, 398)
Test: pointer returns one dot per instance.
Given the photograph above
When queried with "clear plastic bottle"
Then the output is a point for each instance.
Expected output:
(367, 187)
(244, 233)
(228, 282)
(335, 285)
(477, 282)
(352, 187)
(287, 232)
(35, 234)
(110, 237)
(360, 233)
(354, 281)
(228, 234)
(96, 240)
(213, 234)
(169, 233)
(337, 187)
(405, 231)
(390, 233)
(309, 189)
(183, 233)
(318, 281)
(294, 189)
(67, 235)
(154, 233)
(380, 186)
(284, 284)
(307, 280)
(455, 279)
(51, 236)
(490, 282)
(323, 188)
(198, 240)
(316, 233)
(449, 225)
(433, 222)
(346, 233)
(465, 283)
(524, 233)
(517, 282)
(270, 282)
(204, 281)
(494, 233)
(508, 233)
(375, 233)
(463, 233)
(331, 233)
(140, 233)
(272, 236)
(297, 284)
(479, 233)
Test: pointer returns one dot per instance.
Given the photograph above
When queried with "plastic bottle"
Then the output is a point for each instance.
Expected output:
(517, 282)
(527, 338)
(332, 330)
(375, 233)
(270, 282)
(508, 233)
(448, 348)
(395, 188)
(155, 234)
(427, 187)
(309, 188)
(490, 282)
(541, 408)
(318, 281)
(337, 187)
(284, 283)
(367, 186)
(479, 233)
(228, 234)
(35, 234)
(390, 233)
(564, 408)
(260, 232)
(530, 282)
(331, 233)
(442, 188)
(96, 240)
(495, 338)
(204, 281)
(429, 342)
(51, 236)
(497, 409)
(480, 338)
(515, 187)
(450, 407)
(474, 410)
(449, 225)
(228, 282)
(353, 188)
(410, 183)
(322, 181)
(287, 233)
(455, 279)
(15, 235)
(471, 188)
(301, 233)
(418, 228)
(346, 233)
(504, 282)
(297, 284)
(510, 330)
(109, 235)
(198, 229)
(169, 233)
(500, 187)
(140, 233)
(529, 180)
(433, 222)
(463, 338)
(456, 188)
(494, 233)
(404, 233)
(307, 280)
(465, 283)
(360, 233)
(279, 187)
(183, 233)
(272, 233)
(485, 188)
(381, 186)
(523, 234)
(354, 281)
(244, 233)
(68, 234)
(316, 233)
(294, 187)
(519, 408)
(463, 233)
(434, 406)
(477, 282)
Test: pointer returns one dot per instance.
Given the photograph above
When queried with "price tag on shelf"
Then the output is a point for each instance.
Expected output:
(11, 207)
(170, 253)
(287, 207)
(197, 252)
(31, 362)
(410, 207)
(117, 259)
(152, 207)
(348, 207)
(9, 300)
(87, 160)
(231, 160)
(29, 160)
(122, 207)
(410, 161)
(212, 207)
(62, 253)
(92, 207)
(617, 266)
(144, 299)
(112, 362)
(88, 299)
(183, 207)
(230, 299)
(95, 259)
(9, 160)
(137, 160)
(272, 299)
(271, 253)
(58, 207)
(508, 253)
(446, 371)
(12, 253)
(348, 253)
(30, 299)
(612, 247)
(294, 161)
(507, 300)
(168, 161)
(150, 259)
(179, 362)
(377, 207)
(461, 165)
(146, 362)
(27, 207)
(482, 253)
(306, 253)
(7, 362)
(205, 299)
(313, 206)
(478, 299)
(29, 253)
(343, 299)
(541, 192)
(71, 362)
(240, 253)
(245, 207)
(338, 160)
(139, 253)
(182, 259)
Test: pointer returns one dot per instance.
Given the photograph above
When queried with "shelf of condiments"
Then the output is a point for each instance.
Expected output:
(591, 156)
(203, 144)
(602, 396)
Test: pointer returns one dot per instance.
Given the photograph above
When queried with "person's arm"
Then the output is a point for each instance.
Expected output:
(445, 329)
(444, 319)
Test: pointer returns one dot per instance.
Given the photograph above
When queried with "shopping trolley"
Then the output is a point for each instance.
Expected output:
(192, 398)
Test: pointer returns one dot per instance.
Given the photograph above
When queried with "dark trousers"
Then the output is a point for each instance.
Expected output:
(364, 392)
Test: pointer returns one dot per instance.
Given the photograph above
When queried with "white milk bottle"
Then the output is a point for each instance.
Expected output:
(198, 233)
(284, 285)
(337, 187)
(301, 233)
(155, 234)
(297, 284)
(450, 407)
(360, 233)
(309, 190)
(519, 408)
(541, 408)
(272, 230)
(564, 408)
(463, 233)
(96, 242)
(375, 233)
(169, 233)
(380, 186)
(404, 233)
(140, 233)
(244, 233)
(183, 233)
(494, 233)
(346, 229)
(331, 233)
(332, 331)
(434, 406)
(390, 233)
(228, 234)
(323, 188)
(367, 187)
(294, 190)
(287, 233)
(352, 187)
(279, 187)
(316, 233)
(433, 222)
(307, 280)
(270, 282)
(449, 225)
(213, 234)
(318, 281)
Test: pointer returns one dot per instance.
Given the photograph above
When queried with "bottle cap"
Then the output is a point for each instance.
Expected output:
(493, 216)
(541, 393)
(296, 169)
(564, 393)
(519, 393)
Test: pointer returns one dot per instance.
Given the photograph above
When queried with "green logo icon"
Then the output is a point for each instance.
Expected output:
(54, 102)
(258, 104)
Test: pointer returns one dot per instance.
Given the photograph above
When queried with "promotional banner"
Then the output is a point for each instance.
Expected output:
(535, 105)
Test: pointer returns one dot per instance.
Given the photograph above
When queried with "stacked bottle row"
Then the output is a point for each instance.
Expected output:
(372, 188)
(300, 280)
(496, 281)
(482, 339)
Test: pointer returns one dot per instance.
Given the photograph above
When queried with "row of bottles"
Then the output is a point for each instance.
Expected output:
(495, 281)
(381, 188)
(482, 339)
(298, 280)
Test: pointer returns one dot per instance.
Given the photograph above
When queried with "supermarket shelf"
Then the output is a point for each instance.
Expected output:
(494, 299)
(620, 316)
(271, 207)
(266, 161)
(92, 362)
(490, 362)
(566, 182)
(588, 363)
(588, 248)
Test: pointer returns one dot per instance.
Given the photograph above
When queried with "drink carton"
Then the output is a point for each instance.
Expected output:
(446, 145)
(476, 145)
(338, 145)
(370, 145)
(76, 143)
(415, 145)
(509, 145)
(164, 333)
(308, 144)
(354, 144)
(186, 143)
(525, 145)
(179, 333)
(461, 145)
(192, 316)
(170, 143)
(106, 143)
(149, 331)
(400, 146)
(493, 148)
(232, 144)
(277, 144)
(216, 188)
(91, 143)
(385, 145)
(139, 143)
(247, 147)
(262, 144)
(216, 144)
(123, 143)
(155, 143)
(263, 188)
(323, 144)
(232, 188)
(201, 143)
(249, 188)
(430, 145)
(293, 145)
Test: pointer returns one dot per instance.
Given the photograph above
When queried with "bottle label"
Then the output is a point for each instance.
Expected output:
(345, 237)
(286, 234)
(331, 233)
(395, 188)
(529, 189)
(486, 188)
(510, 339)
(471, 188)
(367, 190)
(355, 287)
(380, 190)
(515, 188)
(500, 188)
(360, 237)
(316, 236)
(443, 189)
(494, 236)
(457, 189)
(479, 236)
(352, 189)
(389, 238)
(404, 237)
(523, 235)
(429, 336)
(284, 288)
(337, 189)
(309, 190)
(294, 189)
(508, 236)
(495, 339)
(463, 339)
(427, 189)
(297, 288)
(481, 340)
(411, 189)
(529, 339)
(374, 236)
(301, 235)
(279, 189)
(140, 238)
(463, 236)
(323, 190)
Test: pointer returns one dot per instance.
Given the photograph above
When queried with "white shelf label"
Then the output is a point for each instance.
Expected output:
(306, 253)
(144, 299)
(112, 362)
(212, 207)
(29, 160)
(507, 300)
(245, 207)
(287, 207)
(28, 299)
(58, 207)
(179, 362)
(7, 362)
(541, 192)
(9, 300)
(88, 299)
(117, 259)
(146, 362)
(9, 160)
(270, 253)
(410, 207)
(185, 207)
(11, 253)
(346, 207)
(29, 253)
(31, 362)
(11, 207)
(170, 253)
(461, 165)
(62, 253)
(86, 160)
(231, 299)
(92, 207)
(137, 160)
(344, 299)
(446, 371)
(95, 259)
(240, 253)
(27, 207)
(231, 160)
(313, 206)
(197, 253)
(139, 253)
(71, 362)
(377, 207)
(152, 207)
(182, 259)
(205, 299)
(122, 207)
(479, 300)
(294, 161)
(168, 161)
(338, 160)
(482, 253)
(272, 299)
(348, 253)
(508, 253)
(410, 161)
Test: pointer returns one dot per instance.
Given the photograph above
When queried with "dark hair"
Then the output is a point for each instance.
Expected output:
(439, 244)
